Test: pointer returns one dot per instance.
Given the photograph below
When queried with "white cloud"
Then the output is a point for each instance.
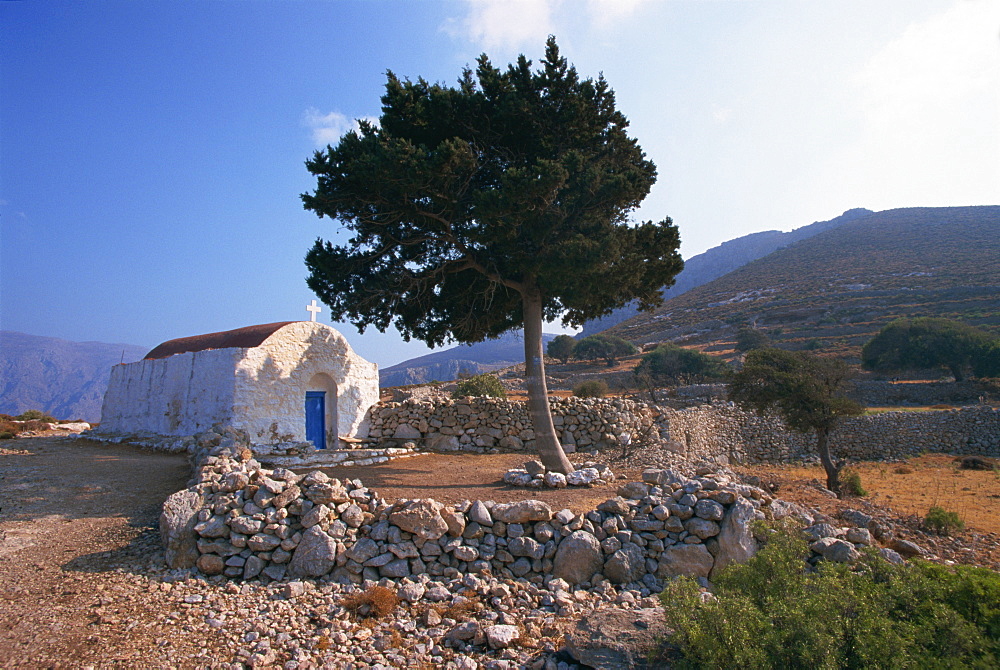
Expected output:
(505, 25)
(329, 128)
(508, 26)
(929, 103)
(606, 12)
(721, 114)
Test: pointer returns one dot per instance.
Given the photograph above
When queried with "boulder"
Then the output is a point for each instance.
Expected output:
(501, 636)
(420, 517)
(709, 509)
(583, 477)
(626, 565)
(906, 548)
(405, 431)
(555, 480)
(326, 493)
(480, 514)
(315, 556)
(578, 557)
(177, 522)
(634, 490)
(735, 538)
(211, 564)
(838, 551)
(692, 560)
(701, 528)
(616, 638)
(363, 550)
(522, 511)
(534, 468)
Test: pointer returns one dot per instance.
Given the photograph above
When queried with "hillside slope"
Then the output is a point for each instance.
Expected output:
(66, 379)
(467, 358)
(725, 258)
(834, 290)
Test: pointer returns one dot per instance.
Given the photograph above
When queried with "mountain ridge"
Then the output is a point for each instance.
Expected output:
(64, 378)
(834, 290)
(726, 257)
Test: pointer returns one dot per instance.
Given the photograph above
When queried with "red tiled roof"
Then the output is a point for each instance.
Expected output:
(241, 338)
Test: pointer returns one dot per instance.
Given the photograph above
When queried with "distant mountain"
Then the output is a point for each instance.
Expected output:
(724, 258)
(467, 358)
(834, 290)
(66, 379)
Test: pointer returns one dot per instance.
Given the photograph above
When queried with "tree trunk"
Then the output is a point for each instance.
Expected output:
(832, 468)
(551, 452)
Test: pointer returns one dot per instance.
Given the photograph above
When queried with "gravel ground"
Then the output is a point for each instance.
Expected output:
(82, 582)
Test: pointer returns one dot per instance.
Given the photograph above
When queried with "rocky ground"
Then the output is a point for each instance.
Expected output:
(82, 583)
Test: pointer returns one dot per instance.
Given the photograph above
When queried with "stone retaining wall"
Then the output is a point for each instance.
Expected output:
(749, 438)
(240, 520)
(705, 432)
(478, 424)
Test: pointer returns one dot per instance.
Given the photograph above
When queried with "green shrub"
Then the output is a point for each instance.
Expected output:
(776, 612)
(674, 364)
(748, 339)
(592, 388)
(850, 483)
(480, 385)
(35, 415)
(941, 521)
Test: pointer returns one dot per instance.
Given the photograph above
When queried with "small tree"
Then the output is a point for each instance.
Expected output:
(806, 390)
(608, 347)
(561, 347)
(918, 344)
(748, 339)
(673, 364)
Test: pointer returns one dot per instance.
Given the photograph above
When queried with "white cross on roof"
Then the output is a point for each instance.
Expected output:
(314, 308)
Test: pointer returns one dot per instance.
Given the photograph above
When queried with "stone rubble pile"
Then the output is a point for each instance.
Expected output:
(534, 476)
(470, 622)
(243, 521)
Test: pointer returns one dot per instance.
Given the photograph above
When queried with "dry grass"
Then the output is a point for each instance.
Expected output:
(909, 488)
(374, 603)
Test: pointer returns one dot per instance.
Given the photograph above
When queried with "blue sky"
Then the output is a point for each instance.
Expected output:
(152, 153)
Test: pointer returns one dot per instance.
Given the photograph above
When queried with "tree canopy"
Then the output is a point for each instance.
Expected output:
(673, 364)
(922, 343)
(498, 202)
(806, 390)
(748, 339)
(607, 347)
(561, 347)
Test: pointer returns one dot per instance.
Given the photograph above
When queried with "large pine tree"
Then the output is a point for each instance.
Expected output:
(496, 204)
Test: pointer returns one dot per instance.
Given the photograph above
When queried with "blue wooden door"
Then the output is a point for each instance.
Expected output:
(316, 418)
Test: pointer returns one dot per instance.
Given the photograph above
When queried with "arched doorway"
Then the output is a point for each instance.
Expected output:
(321, 412)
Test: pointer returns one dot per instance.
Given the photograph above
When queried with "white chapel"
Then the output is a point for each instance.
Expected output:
(279, 382)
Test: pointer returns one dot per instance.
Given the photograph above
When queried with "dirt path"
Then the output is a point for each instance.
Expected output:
(452, 478)
(77, 525)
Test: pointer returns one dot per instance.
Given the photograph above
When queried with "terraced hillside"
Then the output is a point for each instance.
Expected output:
(833, 291)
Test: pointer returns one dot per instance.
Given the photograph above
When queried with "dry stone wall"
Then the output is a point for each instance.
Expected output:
(713, 432)
(479, 424)
(750, 438)
(243, 521)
